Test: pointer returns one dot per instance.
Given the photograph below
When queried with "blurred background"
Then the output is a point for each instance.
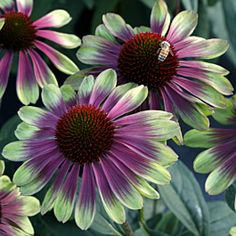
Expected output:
(216, 19)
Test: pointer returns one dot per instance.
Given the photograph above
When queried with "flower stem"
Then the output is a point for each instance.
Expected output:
(142, 221)
(127, 228)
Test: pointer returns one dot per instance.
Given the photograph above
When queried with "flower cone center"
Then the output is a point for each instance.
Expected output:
(84, 134)
(18, 33)
(138, 61)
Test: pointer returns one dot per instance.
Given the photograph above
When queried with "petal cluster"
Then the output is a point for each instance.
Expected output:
(136, 154)
(192, 86)
(27, 36)
(220, 158)
(15, 208)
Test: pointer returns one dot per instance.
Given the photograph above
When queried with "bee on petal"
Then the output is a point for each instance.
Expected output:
(164, 51)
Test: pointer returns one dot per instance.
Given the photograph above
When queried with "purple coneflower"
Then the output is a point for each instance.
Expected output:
(165, 58)
(92, 138)
(23, 37)
(220, 158)
(15, 208)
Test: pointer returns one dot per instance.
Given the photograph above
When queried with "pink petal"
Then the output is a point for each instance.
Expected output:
(25, 6)
(26, 85)
(42, 72)
(5, 66)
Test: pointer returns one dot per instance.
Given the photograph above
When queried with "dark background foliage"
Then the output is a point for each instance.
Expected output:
(216, 19)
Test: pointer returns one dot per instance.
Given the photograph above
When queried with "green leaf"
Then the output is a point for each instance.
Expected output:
(101, 225)
(153, 207)
(212, 2)
(230, 195)
(222, 218)
(142, 232)
(203, 26)
(7, 130)
(168, 224)
(222, 17)
(190, 4)
(184, 198)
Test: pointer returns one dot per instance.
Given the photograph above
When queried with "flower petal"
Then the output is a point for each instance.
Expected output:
(65, 40)
(182, 26)
(52, 193)
(218, 181)
(26, 84)
(206, 161)
(97, 50)
(197, 138)
(76, 79)
(7, 5)
(25, 131)
(42, 72)
(65, 201)
(120, 185)
(31, 115)
(5, 66)
(86, 205)
(204, 66)
(131, 100)
(160, 17)
(6, 185)
(208, 138)
(2, 167)
(39, 180)
(53, 100)
(139, 183)
(159, 131)
(188, 111)
(15, 151)
(142, 167)
(206, 49)
(202, 91)
(104, 84)
(56, 19)
(25, 6)
(142, 29)
(2, 22)
(62, 62)
(111, 205)
(22, 226)
(32, 168)
(103, 32)
(165, 155)
(117, 26)
(214, 79)
(85, 89)
(30, 205)
(115, 95)
(228, 114)
(143, 117)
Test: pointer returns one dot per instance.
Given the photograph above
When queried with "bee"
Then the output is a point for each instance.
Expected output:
(164, 51)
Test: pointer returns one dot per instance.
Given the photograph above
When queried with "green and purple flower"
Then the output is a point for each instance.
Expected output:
(87, 142)
(15, 208)
(22, 37)
(220, 158)
(178, 81)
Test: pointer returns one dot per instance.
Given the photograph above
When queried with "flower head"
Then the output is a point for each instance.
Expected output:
(220, 157)
(21, 36)
(14, 208)
(166, 59)
(92, 138)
